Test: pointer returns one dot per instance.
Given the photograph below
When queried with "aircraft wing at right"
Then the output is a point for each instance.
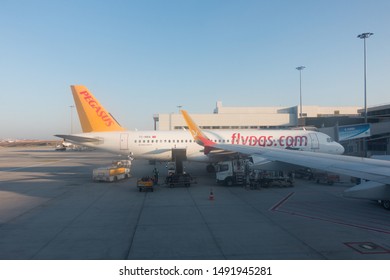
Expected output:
(364, 168)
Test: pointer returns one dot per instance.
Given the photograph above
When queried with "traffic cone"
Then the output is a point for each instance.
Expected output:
(211, 196)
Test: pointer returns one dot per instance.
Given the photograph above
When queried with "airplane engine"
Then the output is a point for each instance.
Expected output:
(266, 164)
(370, 190)
(258, 160)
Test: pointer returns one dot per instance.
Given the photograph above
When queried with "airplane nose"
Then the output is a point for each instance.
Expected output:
(340, 149)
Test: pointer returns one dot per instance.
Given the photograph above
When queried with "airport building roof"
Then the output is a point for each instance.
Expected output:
(252, 117)
(378, 111)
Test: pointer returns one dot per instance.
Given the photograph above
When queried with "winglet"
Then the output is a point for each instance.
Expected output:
(198, 135)
(93, 116)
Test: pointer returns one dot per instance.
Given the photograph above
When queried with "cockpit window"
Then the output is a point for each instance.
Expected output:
(329, 140)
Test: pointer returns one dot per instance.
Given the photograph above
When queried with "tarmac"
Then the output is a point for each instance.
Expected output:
(50, 209)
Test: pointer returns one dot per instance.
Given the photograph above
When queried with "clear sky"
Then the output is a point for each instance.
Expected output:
(145, 57)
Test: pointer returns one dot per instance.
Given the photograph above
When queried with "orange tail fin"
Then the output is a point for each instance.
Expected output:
(196, 132)
(93, 117)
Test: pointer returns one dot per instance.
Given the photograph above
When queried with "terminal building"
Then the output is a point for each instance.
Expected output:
(345, 124)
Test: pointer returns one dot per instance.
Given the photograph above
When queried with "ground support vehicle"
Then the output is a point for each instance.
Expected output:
(326, 178)
(263, 179)
(145, 184)
(119, 170)
(385, 204)
(304, 173)
(171, 168)
(60, 148)
(241, 172)
(232, 172)
(177, 179)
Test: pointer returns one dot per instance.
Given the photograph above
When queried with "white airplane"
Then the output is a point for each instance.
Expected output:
(376, 172)
(102, 131)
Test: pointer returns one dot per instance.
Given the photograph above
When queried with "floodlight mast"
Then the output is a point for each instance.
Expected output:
(300, 68)
(364, 36)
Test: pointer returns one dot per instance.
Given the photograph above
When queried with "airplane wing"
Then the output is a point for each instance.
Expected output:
(369, 169)
(374, 170)
(79, 139)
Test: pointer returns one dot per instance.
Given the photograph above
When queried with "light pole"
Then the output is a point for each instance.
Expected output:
(364, 36)
(71, 118)
(300, 68)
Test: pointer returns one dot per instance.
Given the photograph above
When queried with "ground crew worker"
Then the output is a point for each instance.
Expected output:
(155, 175)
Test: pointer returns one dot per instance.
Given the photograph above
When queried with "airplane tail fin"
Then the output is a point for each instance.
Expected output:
(198, 135)
(93, 116)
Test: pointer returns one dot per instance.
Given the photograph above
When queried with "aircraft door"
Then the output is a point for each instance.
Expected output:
(124, 141)
(315, 144)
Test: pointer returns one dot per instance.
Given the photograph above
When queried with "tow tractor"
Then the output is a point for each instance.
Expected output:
(145, 184)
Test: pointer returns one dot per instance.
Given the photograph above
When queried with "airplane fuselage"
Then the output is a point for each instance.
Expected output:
(158, 145)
